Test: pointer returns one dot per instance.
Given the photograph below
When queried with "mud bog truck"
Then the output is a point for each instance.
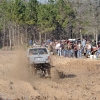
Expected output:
(39, 60)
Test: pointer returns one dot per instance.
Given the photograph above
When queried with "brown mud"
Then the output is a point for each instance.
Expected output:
(77, 79)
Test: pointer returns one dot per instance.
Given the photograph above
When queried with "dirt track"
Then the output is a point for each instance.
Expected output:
(79, 79)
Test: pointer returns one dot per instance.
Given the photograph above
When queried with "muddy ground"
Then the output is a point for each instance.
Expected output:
(79, 79)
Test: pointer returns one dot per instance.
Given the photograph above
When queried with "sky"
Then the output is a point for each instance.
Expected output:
(42, 1)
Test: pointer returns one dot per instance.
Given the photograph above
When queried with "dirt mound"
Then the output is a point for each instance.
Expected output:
(71, 65)
(80, 79)
(17, 90)
(15, 77)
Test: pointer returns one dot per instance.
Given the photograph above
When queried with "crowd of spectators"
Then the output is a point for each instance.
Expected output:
(74, 49)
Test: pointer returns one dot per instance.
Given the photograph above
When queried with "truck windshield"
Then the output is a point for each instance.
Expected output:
(38, 51)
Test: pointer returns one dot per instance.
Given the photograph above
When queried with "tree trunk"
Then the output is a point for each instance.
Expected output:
(4, 30)
(45, 37)
(8, 41)
(10, 38)
(18, 35)
(16, 43)
(26, 34)
(94, 35)
(40, 38)
(13, 33)
(81, 35)
(96, 38)
(21, 39)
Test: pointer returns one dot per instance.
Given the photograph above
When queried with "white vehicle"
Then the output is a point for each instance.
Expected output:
(72, 39)
(39, 59)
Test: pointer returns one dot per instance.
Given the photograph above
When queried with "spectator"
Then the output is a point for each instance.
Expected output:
(79, 50)
(72, 49)
(69, 49)
(98, 51)
(65, 49)
(75, 50)
(62, 47)
(88, 48)
(30, 42)
(50, 47)
(58, 48)
(83, 44)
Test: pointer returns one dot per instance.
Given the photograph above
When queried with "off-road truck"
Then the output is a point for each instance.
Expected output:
(39, 60)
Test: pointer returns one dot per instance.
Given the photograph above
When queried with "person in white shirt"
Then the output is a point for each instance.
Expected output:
(83, 44)
(79, 50)
(57, 47)
(88, 48)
